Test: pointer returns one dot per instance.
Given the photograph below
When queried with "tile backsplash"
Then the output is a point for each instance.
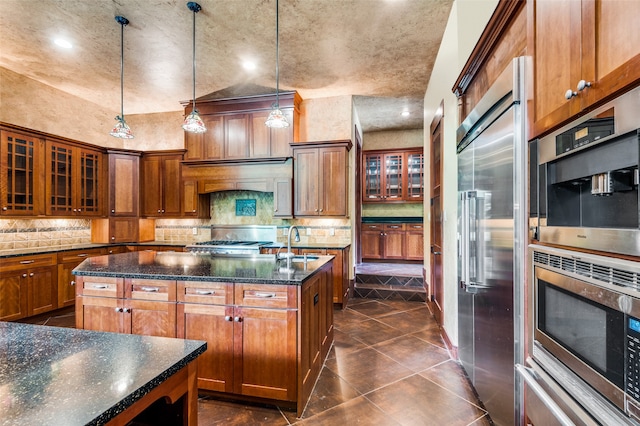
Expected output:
(16, 234)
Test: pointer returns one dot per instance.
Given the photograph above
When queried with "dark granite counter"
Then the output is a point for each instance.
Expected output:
(392, 219)
(46, 250)
(62, 376)
(336, 246)
(260, 269)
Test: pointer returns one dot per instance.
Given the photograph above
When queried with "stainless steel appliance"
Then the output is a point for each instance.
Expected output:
(236, 240)
(585, 343)
(492, 243)
(586, 184)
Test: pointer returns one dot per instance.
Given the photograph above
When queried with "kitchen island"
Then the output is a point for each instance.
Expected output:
(268, 323)
(61, 376)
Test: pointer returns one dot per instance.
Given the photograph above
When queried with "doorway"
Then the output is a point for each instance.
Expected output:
(435, 206)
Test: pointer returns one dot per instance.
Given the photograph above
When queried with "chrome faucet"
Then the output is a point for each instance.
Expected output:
(289, 254)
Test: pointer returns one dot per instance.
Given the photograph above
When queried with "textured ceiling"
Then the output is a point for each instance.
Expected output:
(380, 51)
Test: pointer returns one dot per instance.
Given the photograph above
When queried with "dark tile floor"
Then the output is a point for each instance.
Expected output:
(388, 366)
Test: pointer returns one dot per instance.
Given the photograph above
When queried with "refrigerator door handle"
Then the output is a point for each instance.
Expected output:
(529, 376)
(463, 242)
(472, 241)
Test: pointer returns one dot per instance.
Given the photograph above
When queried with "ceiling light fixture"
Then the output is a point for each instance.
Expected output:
(405, 113)
(121, 130)
(276, 118)
(192, 122)
(63, 43)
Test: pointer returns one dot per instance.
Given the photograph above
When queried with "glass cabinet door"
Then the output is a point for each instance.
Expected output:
(89, 202)
(393, 176)
(19, 186)
(373, 177)
(60, 196)
(415, 176)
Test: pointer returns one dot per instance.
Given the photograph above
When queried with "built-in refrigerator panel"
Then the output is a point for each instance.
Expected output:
(491, 223)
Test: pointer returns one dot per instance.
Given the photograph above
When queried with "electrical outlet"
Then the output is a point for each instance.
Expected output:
(332, 231)
(195, 231)
(308, 231)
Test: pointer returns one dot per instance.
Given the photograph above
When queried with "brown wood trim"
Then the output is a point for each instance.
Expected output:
(243, 104)
(409, 150)
(165, 152)
(505, 12)
(231, 162)
(48, 136)
(342, 142)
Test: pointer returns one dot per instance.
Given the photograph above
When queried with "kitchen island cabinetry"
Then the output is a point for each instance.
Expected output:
(67, 260)
(132, 305)
(22, 179)
(268, 325)
(161, 187)
(321, 178)
(583, 54)
(28, 286)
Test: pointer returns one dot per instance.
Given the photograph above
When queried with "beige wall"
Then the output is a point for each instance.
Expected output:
(325, 119)
(393, 139)
(467, 20)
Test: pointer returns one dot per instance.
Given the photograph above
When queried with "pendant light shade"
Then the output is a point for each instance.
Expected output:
(192, 122)
(121, 129)
(276, 118)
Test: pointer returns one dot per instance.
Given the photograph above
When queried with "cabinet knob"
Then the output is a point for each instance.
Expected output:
(162, 211)
(79, 210)
(275, 210)
(75, 210)
(5, 208)
(237, 319)
(31, 274)
(321, 210)
(228, 318)
(570, 94)
(72, 283)
(158, 210)
(583, 85)
(113, 210)
(118, 309)
(113, 238)
(193, 211)
(24, 275)
(127, 310)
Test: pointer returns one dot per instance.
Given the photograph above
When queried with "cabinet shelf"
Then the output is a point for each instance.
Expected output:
(393, 176)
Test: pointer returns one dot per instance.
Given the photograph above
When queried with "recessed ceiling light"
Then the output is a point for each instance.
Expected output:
(405, 113)
(249, 66)
(63, 43)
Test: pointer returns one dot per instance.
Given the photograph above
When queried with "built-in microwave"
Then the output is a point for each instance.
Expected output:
(586, 319)
(584, 180)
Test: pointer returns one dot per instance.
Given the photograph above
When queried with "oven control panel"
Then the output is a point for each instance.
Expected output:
(633, 358)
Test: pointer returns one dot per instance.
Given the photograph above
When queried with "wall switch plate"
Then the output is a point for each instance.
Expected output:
(195, 231)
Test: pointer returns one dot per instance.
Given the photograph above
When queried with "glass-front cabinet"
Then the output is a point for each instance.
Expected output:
(391, 176)
(74, 179)
(20, 184)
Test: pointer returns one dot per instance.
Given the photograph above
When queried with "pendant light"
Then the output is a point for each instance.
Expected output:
(276, 118)
(121, 130)
(192, 122)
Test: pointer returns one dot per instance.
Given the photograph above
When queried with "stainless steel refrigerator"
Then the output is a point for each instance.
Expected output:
(492, 241)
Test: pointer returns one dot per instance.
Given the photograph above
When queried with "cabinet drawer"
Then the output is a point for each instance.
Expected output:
(394, 227)
(78, 255)
(415, 227)
(372, 227)
(265, 296)
(208, 293)
(155, 290)
(100, 286)
(23, 262)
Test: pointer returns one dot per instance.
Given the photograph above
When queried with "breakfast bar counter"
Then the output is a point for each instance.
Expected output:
(62, 376)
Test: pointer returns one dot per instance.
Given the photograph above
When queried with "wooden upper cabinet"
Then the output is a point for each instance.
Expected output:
(321, 178)
(22, 179)
(236, 129)
(393, 176)
(124, 178)
(161, 185)
(75, 180)
(584, 53)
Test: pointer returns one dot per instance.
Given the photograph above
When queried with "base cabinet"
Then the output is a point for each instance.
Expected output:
(397, 241)
(68, 260)
(28, 286)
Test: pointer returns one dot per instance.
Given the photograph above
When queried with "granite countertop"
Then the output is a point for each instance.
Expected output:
(46, 250)
(338, 246)
(259, 269)
(392, 219)
(64, 376)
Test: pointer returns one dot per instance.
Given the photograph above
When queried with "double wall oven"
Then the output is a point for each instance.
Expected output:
(583, 310)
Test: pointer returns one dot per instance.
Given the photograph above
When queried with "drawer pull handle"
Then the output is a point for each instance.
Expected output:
(265, 295)
(205, 292)
(100, 286)
(83, 255)
(151, 289)
(26, 262)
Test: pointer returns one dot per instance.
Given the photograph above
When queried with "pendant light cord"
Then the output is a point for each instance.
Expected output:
(122, 24)
(195, 10)
(277, 56)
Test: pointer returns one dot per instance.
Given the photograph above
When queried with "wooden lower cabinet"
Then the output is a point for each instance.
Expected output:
(414, 241)
(67, 260)
(397, 241)
(136, 306)
(28, 286)
(263, 341)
